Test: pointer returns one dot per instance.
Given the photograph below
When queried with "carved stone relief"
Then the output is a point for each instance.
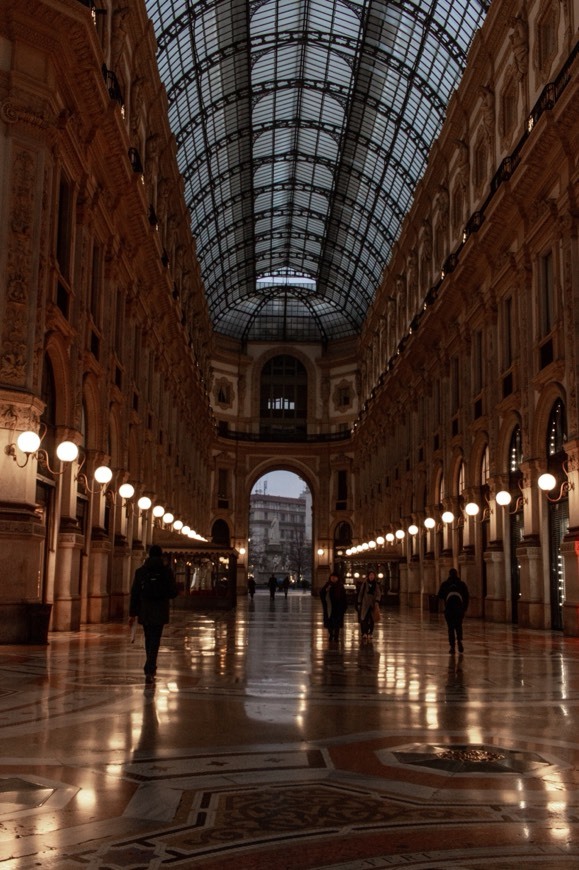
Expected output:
(13, 361)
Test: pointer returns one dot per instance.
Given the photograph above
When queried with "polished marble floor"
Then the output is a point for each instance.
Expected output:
(263, 746)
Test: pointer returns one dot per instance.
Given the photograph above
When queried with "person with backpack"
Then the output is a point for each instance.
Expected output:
(454, 592)
(153, 586)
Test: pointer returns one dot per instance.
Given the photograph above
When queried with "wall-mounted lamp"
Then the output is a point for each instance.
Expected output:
(504, 499)
(429, 523)
(400, 534)
(242, 551)
(548, 482)
(144, 503)
(158, 511)
(390, 538)
(29, 444)
(320, 552)
(413, 530)
(178, 525)
(380, 541)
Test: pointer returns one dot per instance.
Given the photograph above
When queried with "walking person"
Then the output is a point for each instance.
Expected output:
(272, 584)
(334, 603)
(454, 592)
(286, 585)
(251, 585)
(369, 596)
(153, 586)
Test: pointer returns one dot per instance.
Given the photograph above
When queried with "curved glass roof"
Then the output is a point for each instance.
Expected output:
(302, 129)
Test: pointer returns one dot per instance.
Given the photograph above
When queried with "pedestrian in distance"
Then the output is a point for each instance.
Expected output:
(251, 585)
(152, 588)
(334, 604)
(454, 592)
(369, 596)
(286, 585)
(272, 585)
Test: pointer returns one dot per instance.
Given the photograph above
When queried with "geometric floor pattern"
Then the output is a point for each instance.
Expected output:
(264, 747)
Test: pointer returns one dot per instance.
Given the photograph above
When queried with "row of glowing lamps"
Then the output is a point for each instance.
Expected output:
(545, 482)
(67, 451)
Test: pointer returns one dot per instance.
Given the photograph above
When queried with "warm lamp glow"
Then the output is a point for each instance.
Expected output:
(372, 545)
(168, 518)
(242, 551)
(67, 451)
(413, 529)
(320, 552)
(144, 503)
(127, 490)
(472, 508)
(389, 537)
(547, 482)
(103, 474)
(400, 534)
(185, 530)
(503, 497)
(447, 517)
(380, 540)
(178, 525)
(28, 442)
(158, 511)
(429, 522)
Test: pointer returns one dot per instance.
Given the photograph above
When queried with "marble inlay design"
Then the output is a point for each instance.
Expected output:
(473, 759)
(262, 747)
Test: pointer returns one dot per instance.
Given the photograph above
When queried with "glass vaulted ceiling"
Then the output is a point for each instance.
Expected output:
(302, 128)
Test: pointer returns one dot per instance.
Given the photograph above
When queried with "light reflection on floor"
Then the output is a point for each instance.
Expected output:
(263, 746)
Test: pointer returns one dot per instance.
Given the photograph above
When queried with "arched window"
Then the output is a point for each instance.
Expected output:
(515, 458)
(557, 430)
(283, 397)
(220, 533)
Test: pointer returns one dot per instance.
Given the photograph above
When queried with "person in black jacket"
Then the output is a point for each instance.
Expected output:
(153, 586)
(334, 604)
(454, 592)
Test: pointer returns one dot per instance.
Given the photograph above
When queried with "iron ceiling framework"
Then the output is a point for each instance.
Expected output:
(303, 127)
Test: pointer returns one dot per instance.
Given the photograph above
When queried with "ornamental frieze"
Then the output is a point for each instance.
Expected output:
(13, 113)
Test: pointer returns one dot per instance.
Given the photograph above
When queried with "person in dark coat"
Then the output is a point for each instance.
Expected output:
(153, 587)
(251, 585)
(272, 585)
(369, 596)
(454, 592)
(334, 604)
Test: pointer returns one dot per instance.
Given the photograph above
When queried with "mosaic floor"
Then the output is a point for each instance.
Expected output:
(263, 747)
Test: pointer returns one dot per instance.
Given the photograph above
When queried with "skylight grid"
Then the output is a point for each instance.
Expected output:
(409, 69)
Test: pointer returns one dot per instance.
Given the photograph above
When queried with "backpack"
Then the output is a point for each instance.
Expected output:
(453, 599)
(153, 584)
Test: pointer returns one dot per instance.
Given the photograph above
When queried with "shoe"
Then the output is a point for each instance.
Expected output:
(460, 648)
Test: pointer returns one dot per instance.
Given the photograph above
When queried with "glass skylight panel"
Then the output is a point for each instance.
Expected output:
(409, 67)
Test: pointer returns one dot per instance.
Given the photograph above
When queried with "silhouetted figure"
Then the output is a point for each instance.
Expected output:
(272, 585)
(251, 586)
(454, 592)
(153, 587)
(334, 602)
(369, 596)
